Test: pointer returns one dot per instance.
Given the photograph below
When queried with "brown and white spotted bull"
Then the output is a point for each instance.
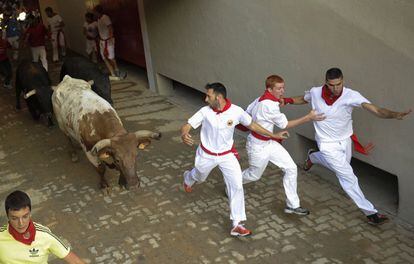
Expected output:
(92, 122)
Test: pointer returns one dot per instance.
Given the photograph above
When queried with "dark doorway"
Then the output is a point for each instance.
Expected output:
(127, 30)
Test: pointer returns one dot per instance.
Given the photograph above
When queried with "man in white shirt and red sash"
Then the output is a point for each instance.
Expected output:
(334, 135)
(107, 42)
(216, 148)
(262, 149)
(55, 25)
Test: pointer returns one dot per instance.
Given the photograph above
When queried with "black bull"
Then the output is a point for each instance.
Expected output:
(33, 81)
(82, 68)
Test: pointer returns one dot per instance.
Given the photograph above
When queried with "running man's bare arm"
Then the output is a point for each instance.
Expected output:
(259, 129)
(311, 116)
(384, 112)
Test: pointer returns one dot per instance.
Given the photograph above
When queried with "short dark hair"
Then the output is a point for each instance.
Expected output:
(17, 200)
(89, 15)
(218, 88)
(48, 9)
(333, 73)
(99, 9)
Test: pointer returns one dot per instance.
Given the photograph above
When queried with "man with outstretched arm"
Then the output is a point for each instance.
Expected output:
(333, 135)
(216, 148)
(262, 149)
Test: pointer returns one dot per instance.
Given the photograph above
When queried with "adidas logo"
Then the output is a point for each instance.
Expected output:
(33, 252)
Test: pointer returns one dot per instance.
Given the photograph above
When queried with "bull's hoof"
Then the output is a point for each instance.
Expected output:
(50, 123)
(106, 190)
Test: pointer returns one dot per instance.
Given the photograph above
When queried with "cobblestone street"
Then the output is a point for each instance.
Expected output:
(159, 223)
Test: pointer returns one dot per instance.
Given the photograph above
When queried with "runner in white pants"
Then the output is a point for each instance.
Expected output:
(333, 135)
(56, 25)
(261, 149)
(216, 148)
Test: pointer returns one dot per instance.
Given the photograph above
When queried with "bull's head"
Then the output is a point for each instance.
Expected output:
(122, 152)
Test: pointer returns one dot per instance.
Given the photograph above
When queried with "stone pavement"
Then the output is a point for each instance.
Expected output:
(159, 223)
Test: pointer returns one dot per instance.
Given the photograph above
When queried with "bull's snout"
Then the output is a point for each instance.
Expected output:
(157, 135)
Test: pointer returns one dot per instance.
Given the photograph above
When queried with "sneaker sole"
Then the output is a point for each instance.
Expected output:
(378, 224)
(292, 212)
(239, 235)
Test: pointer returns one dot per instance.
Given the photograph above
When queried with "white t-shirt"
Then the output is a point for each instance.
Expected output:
(91, 29)
(54, 23)
(217, 129)
(338, 122)
(267, 114)
(103, 24)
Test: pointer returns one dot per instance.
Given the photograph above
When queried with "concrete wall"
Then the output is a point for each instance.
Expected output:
(73, 13)
(45, 3)
(240, 42)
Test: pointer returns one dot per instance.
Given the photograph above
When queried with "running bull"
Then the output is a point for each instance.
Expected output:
(82, 68)
(92, 122)
(33, 81)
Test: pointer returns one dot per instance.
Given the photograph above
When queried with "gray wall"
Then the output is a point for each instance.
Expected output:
(73, 14)
(240, 42)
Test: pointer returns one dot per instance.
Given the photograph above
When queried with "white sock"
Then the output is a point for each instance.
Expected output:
(235, 223)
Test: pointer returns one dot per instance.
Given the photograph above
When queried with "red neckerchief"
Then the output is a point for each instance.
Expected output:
(226, 107)
(328, 96)
(268, 96)
(27, 237)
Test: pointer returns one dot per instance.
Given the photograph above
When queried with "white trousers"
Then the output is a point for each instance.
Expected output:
(230, 167)
(260, 153)
(91, 46)
(58, 40)
(109, 47)
(39, 52)
(336, 156)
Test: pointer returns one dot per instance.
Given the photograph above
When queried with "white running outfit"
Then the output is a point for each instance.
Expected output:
(57, 36)
(334, 142)
(216, 136)
(260, 151)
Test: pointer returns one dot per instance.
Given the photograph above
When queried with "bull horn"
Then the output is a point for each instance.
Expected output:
(32, 92)
(91, 82)
(54, 87)
(100, 145)
(147, 134)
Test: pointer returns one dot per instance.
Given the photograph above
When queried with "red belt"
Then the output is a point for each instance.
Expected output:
(232, 150)
(105, 51)
(261, 137)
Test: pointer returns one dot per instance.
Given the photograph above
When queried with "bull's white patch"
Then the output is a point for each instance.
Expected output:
(73, 100)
